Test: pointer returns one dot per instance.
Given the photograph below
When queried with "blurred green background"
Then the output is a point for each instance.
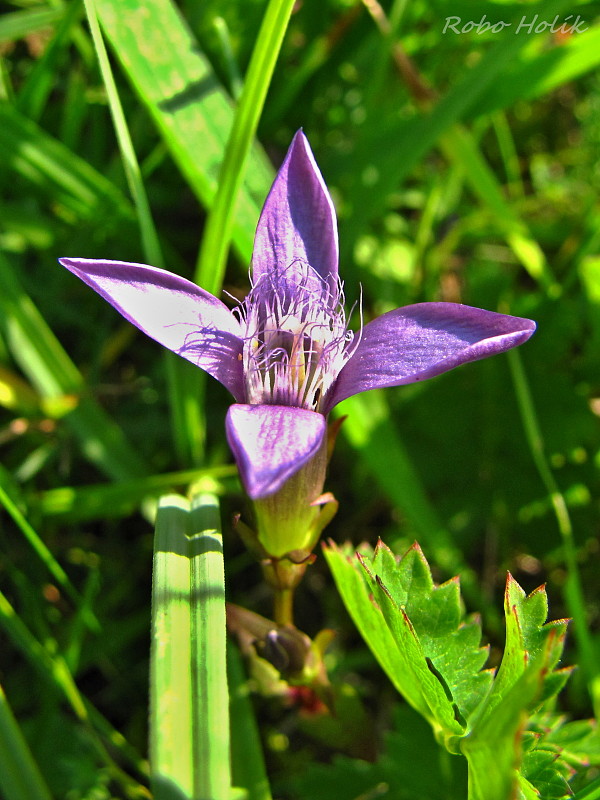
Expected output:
(464, 167)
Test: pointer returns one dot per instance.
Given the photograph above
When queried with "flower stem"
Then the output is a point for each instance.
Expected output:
(283, 604)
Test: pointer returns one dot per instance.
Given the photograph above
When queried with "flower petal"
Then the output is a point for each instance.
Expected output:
(271, 443)
(298, 221)
(173, 311)
(417, 342)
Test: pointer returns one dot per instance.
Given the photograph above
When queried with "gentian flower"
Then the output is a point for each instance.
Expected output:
(286, 353)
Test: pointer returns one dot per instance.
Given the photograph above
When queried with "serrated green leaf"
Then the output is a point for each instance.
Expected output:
(528, 637)
(576, 742)
(540, 769)
(421, 670)
(494, 747)
(354, 591)
(450, 644)
(438, 652)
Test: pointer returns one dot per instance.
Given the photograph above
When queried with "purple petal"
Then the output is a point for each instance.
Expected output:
(298, 221)
(173, 311)
(271, 443)
(424, 340)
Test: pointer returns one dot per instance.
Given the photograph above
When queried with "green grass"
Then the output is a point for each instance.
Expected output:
(483, 192)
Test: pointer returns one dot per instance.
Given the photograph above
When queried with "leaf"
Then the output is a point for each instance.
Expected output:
(433, 656)
(526, 677)
(20, 778)
(436, 655)
(18, 24)
(540, 770)
(539, 69)
(189, 718)
(578, 742)
(52, 373)
(354, 591)
(189, 106)
(73, 186)
(529, 641)
(102, 501)
(402, 143)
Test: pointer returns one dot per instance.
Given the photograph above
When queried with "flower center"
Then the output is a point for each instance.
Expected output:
(296, 338)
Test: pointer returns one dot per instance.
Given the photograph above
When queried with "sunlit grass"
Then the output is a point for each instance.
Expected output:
(482, 190)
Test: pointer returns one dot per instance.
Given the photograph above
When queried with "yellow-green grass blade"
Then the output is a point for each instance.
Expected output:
(189, 712)
(75, 188)
(459, 147)
(219, 225)
(541, 69)
(190, 108)
(20, 778)
(110, 500)
(50, 370)
(30, 20)
(38, 546)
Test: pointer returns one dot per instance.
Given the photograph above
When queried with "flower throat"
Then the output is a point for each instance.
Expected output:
(296, 340)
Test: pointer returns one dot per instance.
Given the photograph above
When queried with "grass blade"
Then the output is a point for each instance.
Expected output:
(247, 760)
(20, 778)
(187, 419)
(39, 548)
(58, 173)
(190, 108)
(18, 24)
(460, 148)
(51, 371)
(109, 500)
(189, 731)
(217, 235)
(574, 596)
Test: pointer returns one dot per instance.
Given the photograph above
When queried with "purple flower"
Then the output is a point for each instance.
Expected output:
(286, 353)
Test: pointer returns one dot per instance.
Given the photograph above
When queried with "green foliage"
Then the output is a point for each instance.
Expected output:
(480, 189)
(410, 767)
(432, 654)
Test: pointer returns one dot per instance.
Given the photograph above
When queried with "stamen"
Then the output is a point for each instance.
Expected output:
(297, 340)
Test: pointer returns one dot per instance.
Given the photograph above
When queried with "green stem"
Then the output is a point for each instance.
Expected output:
(283, 606)
(573, 590)
(212, 258)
